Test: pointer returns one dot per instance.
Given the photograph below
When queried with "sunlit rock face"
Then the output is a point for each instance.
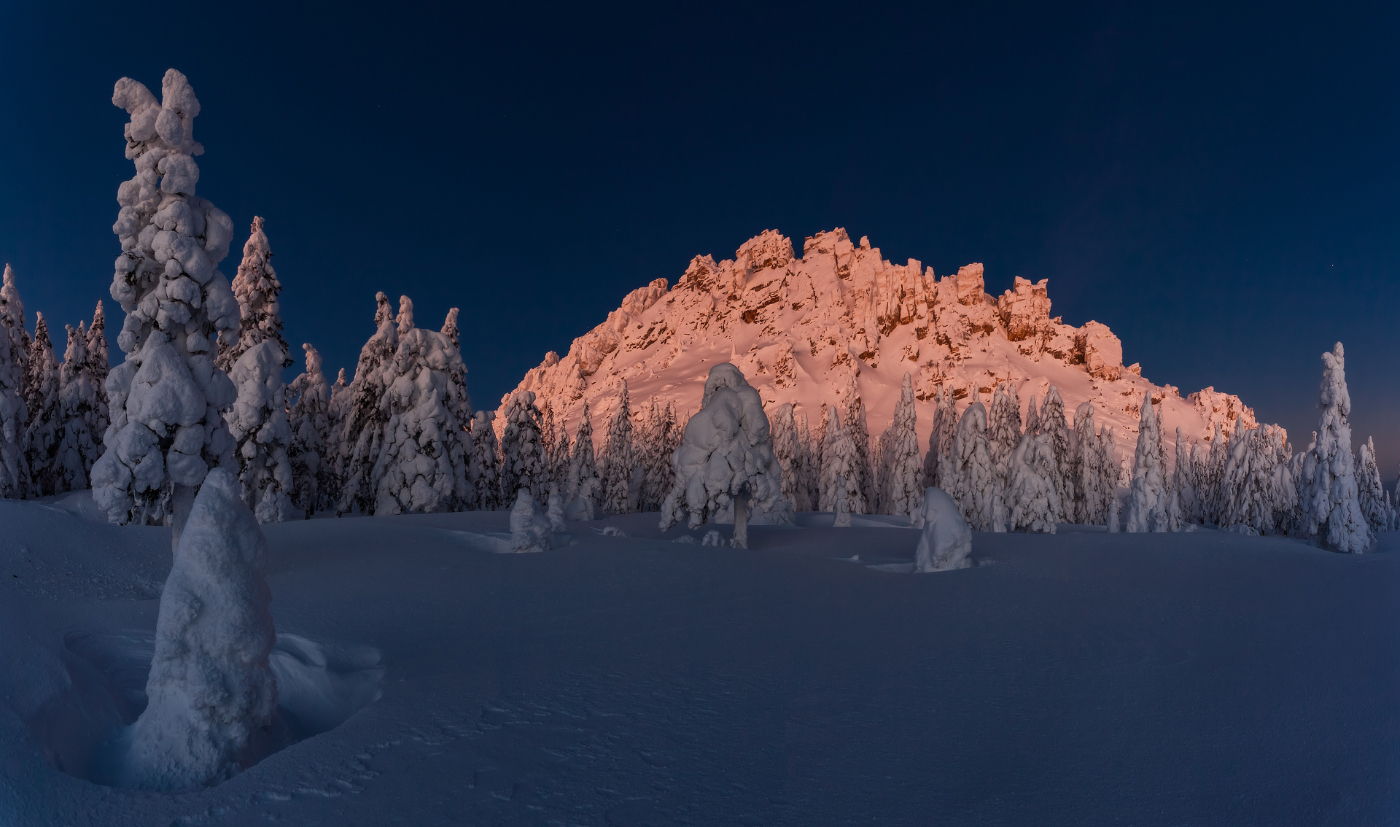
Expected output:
(801, 328)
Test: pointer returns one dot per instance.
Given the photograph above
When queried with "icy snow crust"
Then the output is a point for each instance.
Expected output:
(800, 329)
(1074, 678)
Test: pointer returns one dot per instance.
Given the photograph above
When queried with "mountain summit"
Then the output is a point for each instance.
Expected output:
(802, 328)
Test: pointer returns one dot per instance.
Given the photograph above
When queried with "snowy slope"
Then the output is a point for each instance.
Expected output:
(1079, 678)
(799, 328)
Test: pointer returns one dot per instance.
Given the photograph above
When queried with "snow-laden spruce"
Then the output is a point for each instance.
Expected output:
(1257, 485)
(1087, 478)
(43, 432)
(1184, 480)
(313, 480)
(258, 422)
(901, 491)
(1053, 423)
(1032, 499)
(166, 430)
(97, 369)
(975, 486)
(461, 401)
(1212, 495)
(787, 451)
(945, 541)
(1032, 419)
(584, 482)
(256, 287)
(423, 462)
(620, 459)
(809, 480)
(656, 455)
(1108, 462)
(14, 470)
(726, 459)
(1331, 505)
(362, 429)
(77, 398)
(522, 454)
(484, 472)
(210, 689)
(1369, 491)
(12, 320)
(858, 428)
(938, 462)
(1148, 501)
(1003, 427)
(840, 474)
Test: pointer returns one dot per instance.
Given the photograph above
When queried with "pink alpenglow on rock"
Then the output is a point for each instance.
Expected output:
(210, 688)
(946, 540)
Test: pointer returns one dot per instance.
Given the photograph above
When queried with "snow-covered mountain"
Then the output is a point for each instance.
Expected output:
(800, 328)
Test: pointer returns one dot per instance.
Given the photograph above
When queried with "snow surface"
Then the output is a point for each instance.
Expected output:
(1075, 678)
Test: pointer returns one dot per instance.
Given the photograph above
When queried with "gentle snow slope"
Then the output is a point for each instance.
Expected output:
(1079, 678)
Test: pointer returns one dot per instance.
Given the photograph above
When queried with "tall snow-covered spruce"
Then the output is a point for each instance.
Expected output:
(362, 424)
(1331, 506)
(902, 491)
(14, 470)
(1148, 506)
(726, 459)
(77, 399)
(42, 435)
(620, 459)
(166, 431)
(313, 475)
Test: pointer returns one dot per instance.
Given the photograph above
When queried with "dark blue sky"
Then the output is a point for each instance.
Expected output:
(1218, 185)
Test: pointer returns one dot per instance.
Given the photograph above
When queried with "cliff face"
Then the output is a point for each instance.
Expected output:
(801, 328)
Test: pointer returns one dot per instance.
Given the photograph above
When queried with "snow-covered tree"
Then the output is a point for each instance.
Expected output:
(530, 527)
(585, 483)
(620, 460)
(903, 494)
(1034, 503)
(97, 367)
(1331, 506)
(840, 474)
(1369, 490)
(77, 397)
(256, 287)
(14, 470)
(809, 486)
(975, 485)
(548, 435)
(726, 458)
(940, 443)
(1032, 418)
(166, 430)
(313, 480)
(1090, 502)
(362, 429)
(258, 422)
(484, 472)
(1257, 484)
(656, 458)
(1112, 471)
(522, 455)
(1054, 424)
(787, 450)
(12, 320)
(422, 466)
(42, 434)
(336, 413)
(211, 687)
(1184, 480)
(1212, 496)
(859, 431)
(1148, 499)
(1003, 427)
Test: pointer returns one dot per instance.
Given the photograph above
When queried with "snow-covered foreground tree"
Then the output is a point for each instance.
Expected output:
(940, 443)
(945, 542)
(1331, 507)
(256, 287)
(1369, 491)
(484, 472)
(1091, 490)
(258, 423)
(725, 458)
(1148, 505)
(1257, 486)
(840, 486)
(522, 453)
(313, 479)
(166, 430)
(362, 431)
(787, 451)
(211, 689)
(530, 527)
(584, 483)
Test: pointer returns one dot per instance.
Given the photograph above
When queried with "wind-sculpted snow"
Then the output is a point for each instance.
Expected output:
(945, 541)
(803, 330)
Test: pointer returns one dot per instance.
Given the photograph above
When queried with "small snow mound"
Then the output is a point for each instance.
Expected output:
(612, 531)
(894, 568)
(685, 539)
(1243, 529)
(946, 541)
(712, 538)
